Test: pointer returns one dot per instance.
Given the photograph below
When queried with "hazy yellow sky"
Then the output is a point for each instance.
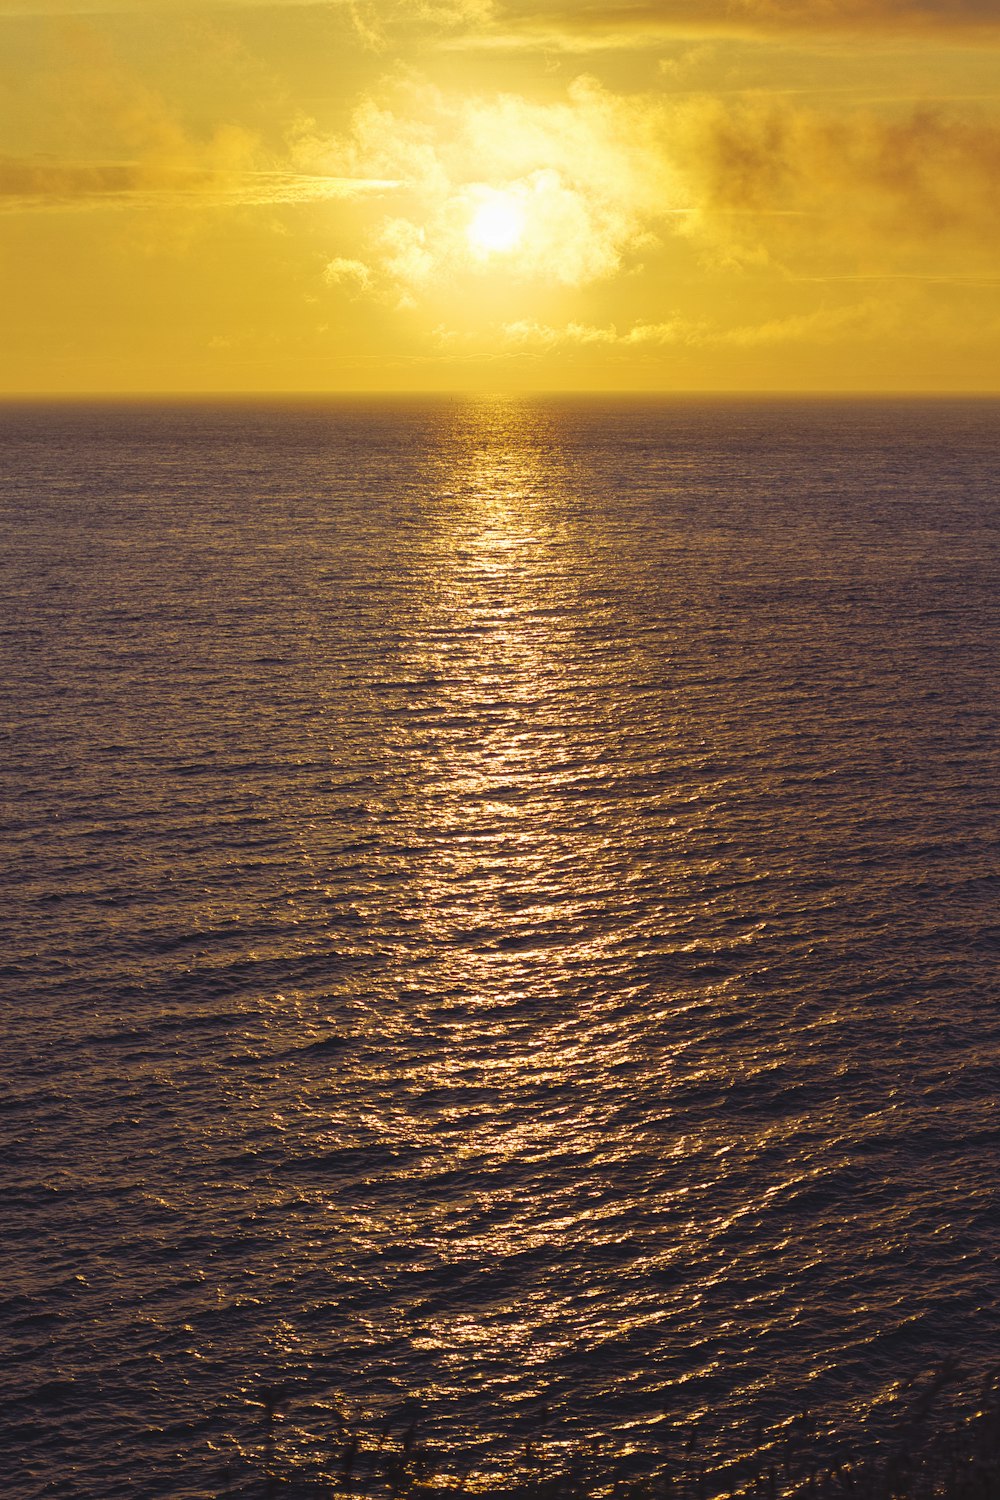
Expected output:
(435, 194)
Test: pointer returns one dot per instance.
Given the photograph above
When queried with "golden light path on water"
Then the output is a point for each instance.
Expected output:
(503, 900)
(511, 883)
(501, 921)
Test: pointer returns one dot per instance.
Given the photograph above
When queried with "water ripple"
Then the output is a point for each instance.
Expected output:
(503, 907)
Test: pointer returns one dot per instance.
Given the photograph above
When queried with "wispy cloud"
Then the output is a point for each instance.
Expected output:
(610, 22)
(44, 184)
(868, 318)
(372, 20)
(626, 23)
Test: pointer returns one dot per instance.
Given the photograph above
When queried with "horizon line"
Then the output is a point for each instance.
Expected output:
(11, 398)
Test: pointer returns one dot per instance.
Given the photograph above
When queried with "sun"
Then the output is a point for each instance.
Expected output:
(497, 226)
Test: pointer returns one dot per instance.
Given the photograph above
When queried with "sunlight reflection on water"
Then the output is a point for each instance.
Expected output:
(502, 914)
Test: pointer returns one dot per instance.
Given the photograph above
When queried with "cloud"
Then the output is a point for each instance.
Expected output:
(765, 176)
(582, 177)
(600, 183)
(350, 273)
(528, 334)
(617, 23)
(588, 23)
(134, 151)
(27, 183)
(372, 20)
(869, 318)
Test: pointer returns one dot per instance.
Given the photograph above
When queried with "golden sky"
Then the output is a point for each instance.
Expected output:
(499, 194)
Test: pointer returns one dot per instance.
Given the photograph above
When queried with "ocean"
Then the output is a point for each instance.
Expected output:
(499, 925)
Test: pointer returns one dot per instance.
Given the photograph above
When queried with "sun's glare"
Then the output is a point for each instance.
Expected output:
(497, 224)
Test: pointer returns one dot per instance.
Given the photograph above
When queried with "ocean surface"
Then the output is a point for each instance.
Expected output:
(499, 921)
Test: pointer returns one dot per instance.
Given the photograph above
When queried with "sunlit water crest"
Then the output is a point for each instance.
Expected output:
(501, 913)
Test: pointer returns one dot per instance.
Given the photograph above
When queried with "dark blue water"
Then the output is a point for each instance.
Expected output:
(500, 909)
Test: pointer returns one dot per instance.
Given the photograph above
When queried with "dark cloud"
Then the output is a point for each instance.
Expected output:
(766, 171)
(618, 21)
